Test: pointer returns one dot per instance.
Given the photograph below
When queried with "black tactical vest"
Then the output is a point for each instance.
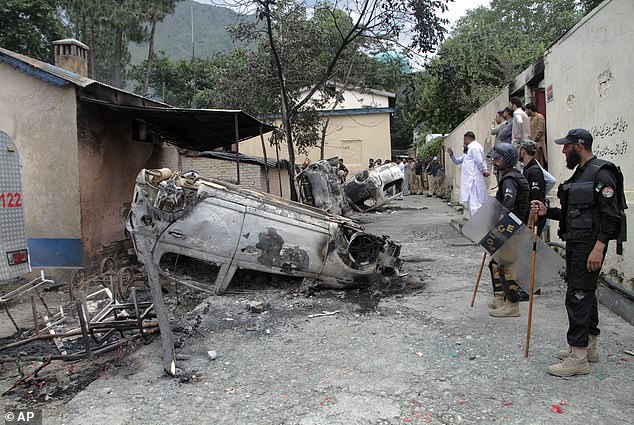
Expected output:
(522, 207)
(578, 200)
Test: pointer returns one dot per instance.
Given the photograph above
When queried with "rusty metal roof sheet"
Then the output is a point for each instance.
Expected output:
(195, 129)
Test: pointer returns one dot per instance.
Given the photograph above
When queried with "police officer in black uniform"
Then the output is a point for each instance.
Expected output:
(589, 217)
(537, 185)
(513, 192)
(535, 176)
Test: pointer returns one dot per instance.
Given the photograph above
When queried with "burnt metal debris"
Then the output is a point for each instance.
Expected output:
(106, 312)
(318, 185)
(374, 188)
(233, 227)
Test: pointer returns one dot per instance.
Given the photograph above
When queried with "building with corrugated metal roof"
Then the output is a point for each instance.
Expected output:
(82, 144)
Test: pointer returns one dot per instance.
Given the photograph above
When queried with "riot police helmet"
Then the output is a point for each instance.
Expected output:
(507, 152)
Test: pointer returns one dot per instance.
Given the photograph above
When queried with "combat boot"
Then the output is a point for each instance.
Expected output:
(497, 301)
(575, 364)
(593, 352)
(508, 309)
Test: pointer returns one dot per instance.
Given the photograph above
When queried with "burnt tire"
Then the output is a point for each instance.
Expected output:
(76, 282)
(125, 282)
(107, 265)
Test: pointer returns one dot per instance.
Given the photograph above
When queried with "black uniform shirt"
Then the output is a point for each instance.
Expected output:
(605, 193)
(507, 193)
(537, 185)
(419, 167)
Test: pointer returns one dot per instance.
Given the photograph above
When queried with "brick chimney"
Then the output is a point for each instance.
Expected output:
(72, 55)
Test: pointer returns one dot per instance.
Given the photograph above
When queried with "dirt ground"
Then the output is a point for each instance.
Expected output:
(379, 356)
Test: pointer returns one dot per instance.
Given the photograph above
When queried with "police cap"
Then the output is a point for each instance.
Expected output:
(576, 135)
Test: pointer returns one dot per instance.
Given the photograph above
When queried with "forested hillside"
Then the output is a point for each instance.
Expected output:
(173, 34)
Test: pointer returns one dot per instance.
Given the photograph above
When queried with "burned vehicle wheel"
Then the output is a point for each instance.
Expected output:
(125, 281)
(107, 265)
(76, 283)
(364, 249)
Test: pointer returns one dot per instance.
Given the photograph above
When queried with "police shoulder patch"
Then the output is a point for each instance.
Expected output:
(607, 192)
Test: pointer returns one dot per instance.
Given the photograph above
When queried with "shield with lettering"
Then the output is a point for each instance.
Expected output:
(485, 219)
(510, 242)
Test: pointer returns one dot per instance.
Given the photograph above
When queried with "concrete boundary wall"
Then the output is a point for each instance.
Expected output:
(589, 73)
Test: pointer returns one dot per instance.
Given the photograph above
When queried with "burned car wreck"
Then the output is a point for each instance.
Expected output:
(371, 189)
(234, 227)
(319, 186)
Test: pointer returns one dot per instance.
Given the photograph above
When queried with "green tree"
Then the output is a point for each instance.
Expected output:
(81, 17)
(169, 81)
(488, 47)
(246, 78)
(155, 11)
(107, 26)
(301, 55)
(29, 27)
(405, 120)
(588, 5)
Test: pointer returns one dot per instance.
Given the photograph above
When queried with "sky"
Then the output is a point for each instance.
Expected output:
(457, 8)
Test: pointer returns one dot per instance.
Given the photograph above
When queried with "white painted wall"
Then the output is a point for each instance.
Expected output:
(591, 71)
(42, 121)
(356, 99)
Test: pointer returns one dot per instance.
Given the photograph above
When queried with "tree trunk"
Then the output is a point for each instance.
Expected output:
(286, 113)
(150, 58)
(84, 35)
(117, 78)
(286, 122)
(322, 146)
(91, 43)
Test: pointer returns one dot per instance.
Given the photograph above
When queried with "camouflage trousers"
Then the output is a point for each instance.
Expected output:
(503, 279)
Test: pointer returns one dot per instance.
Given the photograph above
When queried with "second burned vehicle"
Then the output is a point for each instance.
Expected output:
(373, 188)
(319, 186)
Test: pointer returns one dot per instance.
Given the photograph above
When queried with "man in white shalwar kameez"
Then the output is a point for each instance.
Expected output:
(473, 191)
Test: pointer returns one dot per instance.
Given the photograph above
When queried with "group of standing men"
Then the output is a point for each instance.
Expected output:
(591, 214)
(419, 177)
(592, 204)
(516, 123)
(513, 126)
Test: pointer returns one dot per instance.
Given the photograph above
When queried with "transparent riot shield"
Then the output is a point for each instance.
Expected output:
(485, 219)
(517, 251)
(510, 243)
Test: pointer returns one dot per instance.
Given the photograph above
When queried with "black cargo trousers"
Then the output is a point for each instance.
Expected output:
(581, 298)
